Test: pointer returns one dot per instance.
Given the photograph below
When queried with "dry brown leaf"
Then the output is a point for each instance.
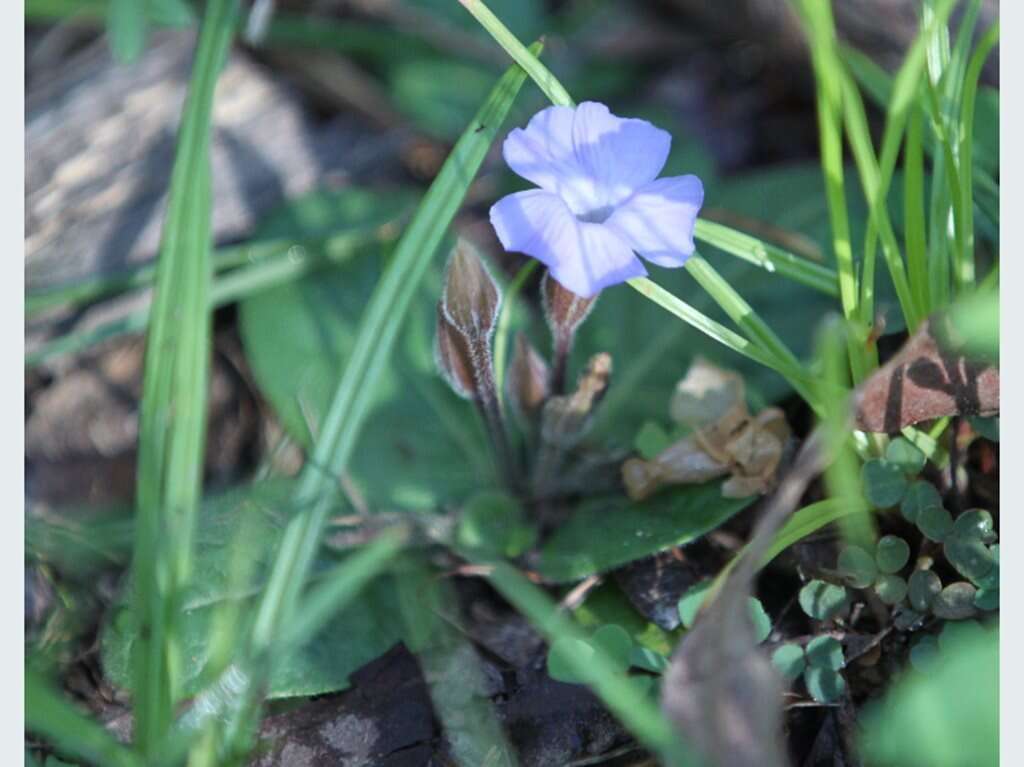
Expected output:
(926, 379)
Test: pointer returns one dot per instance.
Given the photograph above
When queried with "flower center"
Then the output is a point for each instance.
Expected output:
(596, 215)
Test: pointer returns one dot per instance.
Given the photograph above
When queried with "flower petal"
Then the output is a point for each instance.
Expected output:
(619, 154)
(583, 257)
(658, 220)
(543, 153)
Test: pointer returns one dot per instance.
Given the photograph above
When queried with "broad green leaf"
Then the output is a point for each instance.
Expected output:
(604, 533)
(425, 445)
(946, 717)
(607, 604)
(247, 523)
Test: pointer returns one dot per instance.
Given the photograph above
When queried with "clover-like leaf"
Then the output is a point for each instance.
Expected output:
(789, 660)
(919, 496)
(955, 602)
(975, 524)
(884, 483)
(906, 455)
(891, 589)
(969, 556)
(857, 566)
(891, 554)
(824, 685)
(935, 522)
(923, 587)
(822, 601)
(987, 599)
(825, 652)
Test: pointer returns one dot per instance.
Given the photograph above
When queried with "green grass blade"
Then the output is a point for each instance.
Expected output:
(617, 691)
(339, 587)
(274, 263)
(172, 418)
(755, 328)
(539, 73)
(376, 337)
(970, 93)
(914, 216)
(769, 257)
(48, 714)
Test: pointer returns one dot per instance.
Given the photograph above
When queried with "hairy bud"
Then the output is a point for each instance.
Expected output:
(471, 298)
(529, 380)
(565, 312)
(454, 358)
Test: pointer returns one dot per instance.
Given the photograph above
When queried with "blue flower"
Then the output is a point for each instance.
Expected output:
(600, 201)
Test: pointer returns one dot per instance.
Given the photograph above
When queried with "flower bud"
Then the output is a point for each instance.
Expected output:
(471, 298)
(564, 310)
(454, 357)
(529, 379)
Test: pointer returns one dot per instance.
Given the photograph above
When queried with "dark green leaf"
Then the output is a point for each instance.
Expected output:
(759, 617)
(246, 524)
(825, 652)
(560, 666)
(857, 566)
(987, 599)
(935, 522)
(424, 445)
(884, 483)
(920, 496)
(891, 589)
(955, 602)
(891, 553)
(969, 556)
(923, 587)
(906, 455)
(824, 685)
(610, 531)
(974, 524)
(494, 523)
(789, 661)
(823, 601)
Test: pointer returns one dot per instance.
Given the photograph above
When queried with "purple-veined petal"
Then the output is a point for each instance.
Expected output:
(658, 220)
(543, 153)
(583, 257)
(619, 154)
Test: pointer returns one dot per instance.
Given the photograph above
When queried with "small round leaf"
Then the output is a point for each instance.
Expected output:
(969, 556)
(935, 522)
(923, 587)
(976, 525)
(825, 652)
(822, 601)
(891, 589)
(955, 602)
(789, 661)
(857, 567)
(884, 483)
(906, 455)
(759, 618)
(987, 599)
(824, 685)
(891, 554)
(920, 495)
